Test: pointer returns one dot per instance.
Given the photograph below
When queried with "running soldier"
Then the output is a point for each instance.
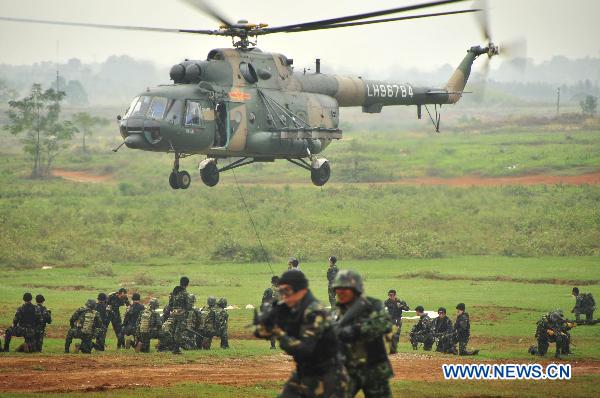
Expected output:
(332, 271)
(85, 323)
(443, 333)
(584, 304)
(269, 299)
(463, 330)
(130, 320)
(115, 301)
(422, 332)
(552, 328)
(395, 307)
(45, 318)
(26, 320)
(222, 321)
(208, 328)
(148, 327)
(101, 307)
(305, 331)
(362, 324)
(180, 305)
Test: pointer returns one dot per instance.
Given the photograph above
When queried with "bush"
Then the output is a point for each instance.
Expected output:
(143, 279)
(102, 270)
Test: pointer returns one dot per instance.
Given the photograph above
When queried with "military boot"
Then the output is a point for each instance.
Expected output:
(77, 347)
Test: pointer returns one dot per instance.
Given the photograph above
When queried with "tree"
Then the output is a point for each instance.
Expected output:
(589, 105)
(85, 123)
(37, 117)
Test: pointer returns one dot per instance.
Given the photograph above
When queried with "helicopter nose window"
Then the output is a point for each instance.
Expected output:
(157, 108)
(131, 107)
(193, 114)
(140, 107)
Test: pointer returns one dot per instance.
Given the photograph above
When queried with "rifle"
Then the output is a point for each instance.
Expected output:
(584, 321)
(264, 321)
(195, 333)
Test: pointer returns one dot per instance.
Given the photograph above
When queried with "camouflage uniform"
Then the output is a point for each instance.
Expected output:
(444, 334)
(181, 304)
(26, 320)
(222, 321)
(395, 308)
(130, 321)
(85, 323)
(148, 327)
(114, 314)
(270, 296)
(584, 304)
(361, 326)
(462, 326)
(422, 332)
(165, 335)
(101, 307)
(192, 325)
(45, 319)
(208, 317)
(332, 271)
(552, 328)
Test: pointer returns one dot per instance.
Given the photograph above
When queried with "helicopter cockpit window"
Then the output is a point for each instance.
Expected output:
(174, 111)
(140, 107)
(157, 108)
(193, 114)
(131, 106)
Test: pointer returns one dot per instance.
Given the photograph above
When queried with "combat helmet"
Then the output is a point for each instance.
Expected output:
(348, 279)
(222, 302)
(211, 301)
(91, 304)
(153, 303)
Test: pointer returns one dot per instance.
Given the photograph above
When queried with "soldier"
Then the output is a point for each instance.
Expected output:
(85, 323)
(180, 305)
(192, 326)
(46, 319)
(462, 326)
(584, 304)
(130, 320)
(208, 326)
(222, 321)
(362, 324)
(443, 333)
(332, 271)
(101, 307)
(270, 298)
(422, 332)
(293, 264)
(552, 328)
(148, 327)
(305, 331)
(116, 300)
(26, 320)
(395, 307)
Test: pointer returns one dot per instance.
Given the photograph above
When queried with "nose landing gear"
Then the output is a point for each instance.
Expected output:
(179, 179)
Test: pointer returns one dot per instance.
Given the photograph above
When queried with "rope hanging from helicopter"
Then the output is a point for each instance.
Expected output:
(438, 117)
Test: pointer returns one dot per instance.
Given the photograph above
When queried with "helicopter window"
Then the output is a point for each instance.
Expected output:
(157, 108)
(174, 111)
(141, 106)
(193, 114)
(131, 106)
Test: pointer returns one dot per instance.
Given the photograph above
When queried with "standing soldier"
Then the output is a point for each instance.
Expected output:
(101, 307)
(180, 305)
(116, 300)
(208, 326)
(332, 271)
(45, 318)
(130, 320)
(584, 304)
(422, 332)
(85, 323)
(222, 322)
(148, 327)
(26, 319)
(443, 333)
(395, 307)
(463, 330)
(305, 331)
(363, 322)
(269, 299)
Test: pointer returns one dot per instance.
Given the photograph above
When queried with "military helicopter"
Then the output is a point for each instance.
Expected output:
(252, 106)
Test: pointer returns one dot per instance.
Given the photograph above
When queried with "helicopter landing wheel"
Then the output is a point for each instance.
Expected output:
(210, 174)
(173, 180)
(320, 175)
(183, 179)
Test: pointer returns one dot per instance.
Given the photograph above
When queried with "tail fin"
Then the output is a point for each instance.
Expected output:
(457, 82)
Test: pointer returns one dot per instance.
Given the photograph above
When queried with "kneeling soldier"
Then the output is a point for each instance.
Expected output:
(422, 332)
(26, 320)
(85, 323)
(148, 327)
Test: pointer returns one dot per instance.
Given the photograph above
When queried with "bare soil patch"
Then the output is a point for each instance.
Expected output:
(81, 176)
(78, 372)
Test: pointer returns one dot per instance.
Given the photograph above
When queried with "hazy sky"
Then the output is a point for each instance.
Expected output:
(551, 27)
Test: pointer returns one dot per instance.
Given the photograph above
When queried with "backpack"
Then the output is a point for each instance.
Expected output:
(145, 321)
(207, 324)
(87, 326)
(588, 300)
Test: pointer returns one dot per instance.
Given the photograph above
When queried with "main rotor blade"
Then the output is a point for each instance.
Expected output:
(206, 8)
(350, 18)
(483, 20)
(122, 27)
(343, 25)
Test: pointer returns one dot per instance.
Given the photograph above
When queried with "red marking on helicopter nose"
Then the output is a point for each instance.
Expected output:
(239, 96)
